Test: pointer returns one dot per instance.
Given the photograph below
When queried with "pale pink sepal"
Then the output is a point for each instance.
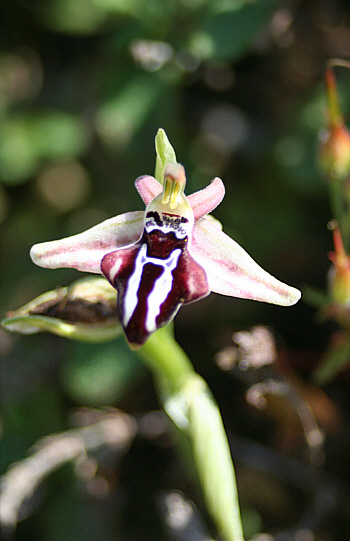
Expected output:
(85, 251)
(206, 200)
(202, 202)
(148, 188)
(231, 271)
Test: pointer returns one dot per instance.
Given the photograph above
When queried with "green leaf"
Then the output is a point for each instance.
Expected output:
(98, 375)
(18, 156)
(27, 139)
(315, 297)
(73, 16)
(232, 32)
(335, 360)
(57, 134)
(121, 117)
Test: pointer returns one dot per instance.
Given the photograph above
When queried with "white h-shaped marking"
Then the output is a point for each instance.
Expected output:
(161, 287)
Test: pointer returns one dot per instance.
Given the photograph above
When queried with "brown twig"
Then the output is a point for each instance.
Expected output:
(116, 429)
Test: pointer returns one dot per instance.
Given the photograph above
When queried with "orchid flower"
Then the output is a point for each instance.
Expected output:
(171, 254)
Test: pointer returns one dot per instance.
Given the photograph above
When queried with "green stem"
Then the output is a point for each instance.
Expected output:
(190, 405)
(340, 214)
(167, 359)
(333, 99)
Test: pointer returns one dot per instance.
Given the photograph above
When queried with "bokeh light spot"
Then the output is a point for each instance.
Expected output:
(64, 186)
(219, 76)
(151, 55)
(290, 151)
(187, 61)
(226, 126)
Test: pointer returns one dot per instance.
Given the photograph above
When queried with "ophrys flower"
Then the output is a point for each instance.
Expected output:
(170, 254)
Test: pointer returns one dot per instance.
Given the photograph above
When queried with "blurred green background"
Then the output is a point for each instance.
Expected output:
(84, 86)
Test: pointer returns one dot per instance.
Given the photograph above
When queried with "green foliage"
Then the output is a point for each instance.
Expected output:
(120, 118)
(100, 375)
(28, 139)
(233, 29)
(335, 360)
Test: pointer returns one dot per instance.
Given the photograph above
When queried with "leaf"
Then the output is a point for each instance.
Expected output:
(335, 360)
(315, 297)
(121, 117)
(99, 375)
(26, 139)
(233, 32)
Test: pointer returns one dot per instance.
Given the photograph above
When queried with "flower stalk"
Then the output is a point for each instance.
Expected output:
(334, 156)
(190, 405)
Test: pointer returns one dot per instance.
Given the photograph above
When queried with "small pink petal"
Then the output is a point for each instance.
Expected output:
(85, 251)
(205, 201)
(202, 202)
(231, 271)
(148, 188)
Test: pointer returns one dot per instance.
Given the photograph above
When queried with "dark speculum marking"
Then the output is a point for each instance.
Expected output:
(155, 216)
(169, 220)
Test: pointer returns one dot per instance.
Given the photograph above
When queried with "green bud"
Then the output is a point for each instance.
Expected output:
(339, 278)
(84, 311)
(334, 153)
